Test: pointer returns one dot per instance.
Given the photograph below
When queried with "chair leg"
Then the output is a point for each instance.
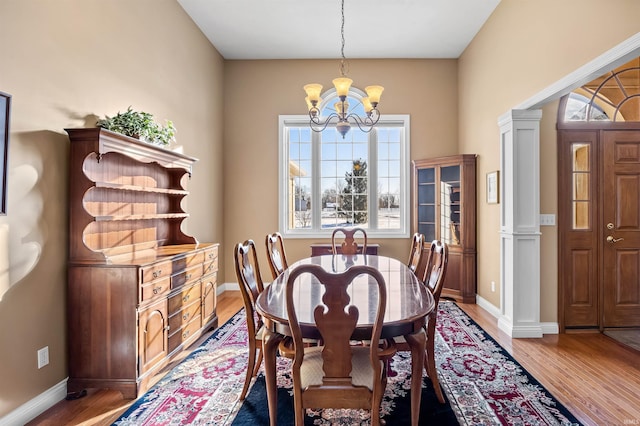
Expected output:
(430, 364)
(250, 366)
(299, 409)
(258, 362)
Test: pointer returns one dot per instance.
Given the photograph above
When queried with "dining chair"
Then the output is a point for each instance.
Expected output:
(338, 374)
(415, 253)
(251, 285)
(431, 270)
(349, 245)
(276, 254)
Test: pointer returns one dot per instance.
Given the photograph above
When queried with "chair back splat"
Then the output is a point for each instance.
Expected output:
(251, 285)
(415, 253)
(276, 254)
(337, 374)
(349, 245)
(436, 270)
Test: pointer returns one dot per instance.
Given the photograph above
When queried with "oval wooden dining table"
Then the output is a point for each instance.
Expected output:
(408, 305)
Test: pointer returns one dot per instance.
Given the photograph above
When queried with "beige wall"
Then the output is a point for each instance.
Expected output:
(256, 92)
(65, 61)
(525, 46)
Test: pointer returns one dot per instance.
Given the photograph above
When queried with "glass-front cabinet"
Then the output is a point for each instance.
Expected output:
(444, 208)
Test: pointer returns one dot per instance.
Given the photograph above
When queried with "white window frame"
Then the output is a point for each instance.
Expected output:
(396, 120)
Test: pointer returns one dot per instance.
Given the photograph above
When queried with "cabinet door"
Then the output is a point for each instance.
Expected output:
(450, 219)
(152, 335)
(209, 298)
(426, 202)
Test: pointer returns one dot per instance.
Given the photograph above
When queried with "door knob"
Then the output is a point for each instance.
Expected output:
(612, 240)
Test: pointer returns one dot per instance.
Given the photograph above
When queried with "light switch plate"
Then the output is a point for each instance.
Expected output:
(547, 220)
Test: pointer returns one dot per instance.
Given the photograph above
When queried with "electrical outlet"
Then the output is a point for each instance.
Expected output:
(493, 286)
(43, 357)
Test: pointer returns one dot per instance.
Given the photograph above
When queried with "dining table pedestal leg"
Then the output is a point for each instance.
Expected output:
(270, 342)
(417, 342)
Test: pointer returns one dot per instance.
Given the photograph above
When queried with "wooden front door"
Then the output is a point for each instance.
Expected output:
(599, 228)
(621, 228)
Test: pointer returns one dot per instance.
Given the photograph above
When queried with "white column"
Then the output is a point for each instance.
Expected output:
(520, 223)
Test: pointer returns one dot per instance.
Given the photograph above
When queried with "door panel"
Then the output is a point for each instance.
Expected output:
(578, 258)
(621, 226)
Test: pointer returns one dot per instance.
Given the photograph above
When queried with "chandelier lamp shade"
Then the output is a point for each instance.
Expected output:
(342, 118)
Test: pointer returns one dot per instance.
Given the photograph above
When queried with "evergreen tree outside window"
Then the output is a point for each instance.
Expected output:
(355, 194)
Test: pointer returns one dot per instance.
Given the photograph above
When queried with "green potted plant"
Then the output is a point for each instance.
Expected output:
(140, 125)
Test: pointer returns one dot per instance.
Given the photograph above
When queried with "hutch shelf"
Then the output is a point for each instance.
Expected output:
(444, 208)
(139, 290)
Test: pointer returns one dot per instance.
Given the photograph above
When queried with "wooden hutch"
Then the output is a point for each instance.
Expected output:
(444, 208)
(139, 289)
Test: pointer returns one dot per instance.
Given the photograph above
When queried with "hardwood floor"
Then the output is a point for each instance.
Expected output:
(595, 377)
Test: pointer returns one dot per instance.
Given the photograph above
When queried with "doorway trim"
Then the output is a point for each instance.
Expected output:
(516, 319)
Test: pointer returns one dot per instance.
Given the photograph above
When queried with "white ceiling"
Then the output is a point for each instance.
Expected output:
(305, 29)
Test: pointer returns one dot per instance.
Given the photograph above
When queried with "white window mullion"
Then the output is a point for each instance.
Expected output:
(316, 195)
(373, 180)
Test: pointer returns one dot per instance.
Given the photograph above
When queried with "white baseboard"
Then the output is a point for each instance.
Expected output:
(550, 327)
(227, 287)
(488, 306)
(547, 327)
(38, 405)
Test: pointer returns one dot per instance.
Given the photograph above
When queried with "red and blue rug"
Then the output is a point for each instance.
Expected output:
(483, 384)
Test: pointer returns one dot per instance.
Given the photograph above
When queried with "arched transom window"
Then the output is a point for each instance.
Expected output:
(613, 97)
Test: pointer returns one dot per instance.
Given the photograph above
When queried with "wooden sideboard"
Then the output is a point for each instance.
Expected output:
(139, 290)
(318, 249)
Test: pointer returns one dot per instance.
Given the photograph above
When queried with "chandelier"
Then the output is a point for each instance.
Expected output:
(342, 117)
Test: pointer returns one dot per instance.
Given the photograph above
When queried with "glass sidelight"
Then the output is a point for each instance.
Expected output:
(581, 178)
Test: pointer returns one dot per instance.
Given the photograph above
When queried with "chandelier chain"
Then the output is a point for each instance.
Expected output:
(342, 61)
(343, 117)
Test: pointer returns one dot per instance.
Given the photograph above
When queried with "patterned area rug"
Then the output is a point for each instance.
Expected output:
(483, 385)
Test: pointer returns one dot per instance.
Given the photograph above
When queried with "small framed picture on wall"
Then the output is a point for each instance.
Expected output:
(493, 187)
(5, 115)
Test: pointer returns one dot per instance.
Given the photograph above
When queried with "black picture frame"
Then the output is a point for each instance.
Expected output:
(5, 119)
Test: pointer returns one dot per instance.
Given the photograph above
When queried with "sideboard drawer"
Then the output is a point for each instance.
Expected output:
(191, 259)
(188, 275)
(182, 335)
(155, 271)
(183, 298)
(184, 316)
(154, 289)
(210, 266)
(210, 254)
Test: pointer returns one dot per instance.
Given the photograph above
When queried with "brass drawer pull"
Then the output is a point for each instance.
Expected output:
(186, 298)
(157, 273)
(185, 316)
(185, 334)
(157, 290)
(187, 277)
